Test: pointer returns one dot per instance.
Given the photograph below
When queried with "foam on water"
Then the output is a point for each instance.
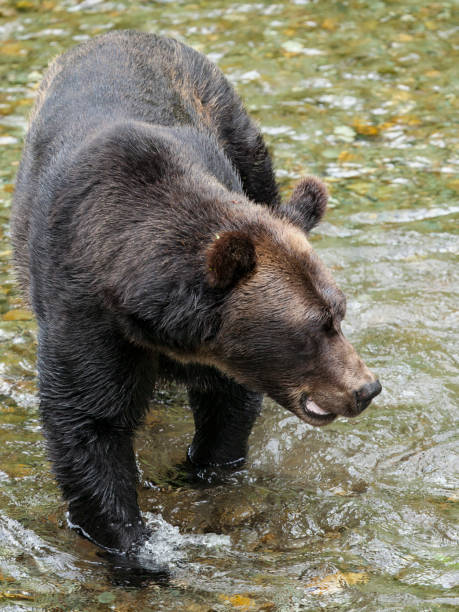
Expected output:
(168, 547)
(17, 540)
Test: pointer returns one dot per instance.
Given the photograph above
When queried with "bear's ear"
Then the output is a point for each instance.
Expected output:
(307, 203)
(230, 257)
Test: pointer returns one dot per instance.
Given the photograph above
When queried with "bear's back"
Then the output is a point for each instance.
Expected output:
(115, 78)
(127, 75)
(118, 78)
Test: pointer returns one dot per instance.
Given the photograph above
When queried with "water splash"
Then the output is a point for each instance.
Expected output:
(168, 547)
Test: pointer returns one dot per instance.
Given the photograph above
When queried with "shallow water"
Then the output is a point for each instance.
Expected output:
(361, 515)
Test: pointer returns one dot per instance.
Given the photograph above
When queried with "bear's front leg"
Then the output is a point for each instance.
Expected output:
(94, 390)
(224, 413)
(94, 464)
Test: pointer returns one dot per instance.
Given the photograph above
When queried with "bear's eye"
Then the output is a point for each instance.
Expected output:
(327, 325)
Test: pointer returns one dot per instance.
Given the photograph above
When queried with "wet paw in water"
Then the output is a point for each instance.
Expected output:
(187, 475)
(135, 570)
(161, 558)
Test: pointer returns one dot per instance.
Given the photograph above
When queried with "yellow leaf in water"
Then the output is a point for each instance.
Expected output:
(355, 577)
(387, 125)
(24, 5)
(405, 37)
(9, 188)
(407, 120)
(18, 470)
(365, 128)
(327, 585)
(453, 184)
(238, 601)
(11, 595)
(18, 315)
(12, 48)
(335, 582)
(345, 156)
(329, 24)
(359, 187)
(268, 537)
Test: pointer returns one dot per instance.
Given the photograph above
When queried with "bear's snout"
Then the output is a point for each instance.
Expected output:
(365, 394)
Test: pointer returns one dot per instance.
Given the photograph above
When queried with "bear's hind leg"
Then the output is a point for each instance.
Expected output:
(224, 413)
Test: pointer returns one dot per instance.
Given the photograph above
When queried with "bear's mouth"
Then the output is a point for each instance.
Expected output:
(313, 414)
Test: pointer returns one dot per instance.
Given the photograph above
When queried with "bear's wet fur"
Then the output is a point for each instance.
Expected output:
(150, 240)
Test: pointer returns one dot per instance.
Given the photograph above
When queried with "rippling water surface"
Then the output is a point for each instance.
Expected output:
(361, 515)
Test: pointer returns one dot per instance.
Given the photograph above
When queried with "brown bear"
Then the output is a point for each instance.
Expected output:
(150, 239)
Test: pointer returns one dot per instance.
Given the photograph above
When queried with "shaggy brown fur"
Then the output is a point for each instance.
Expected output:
(149, 237)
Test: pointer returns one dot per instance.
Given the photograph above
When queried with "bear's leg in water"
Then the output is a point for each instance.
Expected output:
(93, 394)
(224, 414)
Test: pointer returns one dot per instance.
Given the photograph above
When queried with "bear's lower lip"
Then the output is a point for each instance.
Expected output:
(315, 413)
(315, 409)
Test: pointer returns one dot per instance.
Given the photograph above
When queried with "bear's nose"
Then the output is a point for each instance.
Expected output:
(365, 394)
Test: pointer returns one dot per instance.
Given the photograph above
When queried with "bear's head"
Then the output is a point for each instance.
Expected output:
(281, 327)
